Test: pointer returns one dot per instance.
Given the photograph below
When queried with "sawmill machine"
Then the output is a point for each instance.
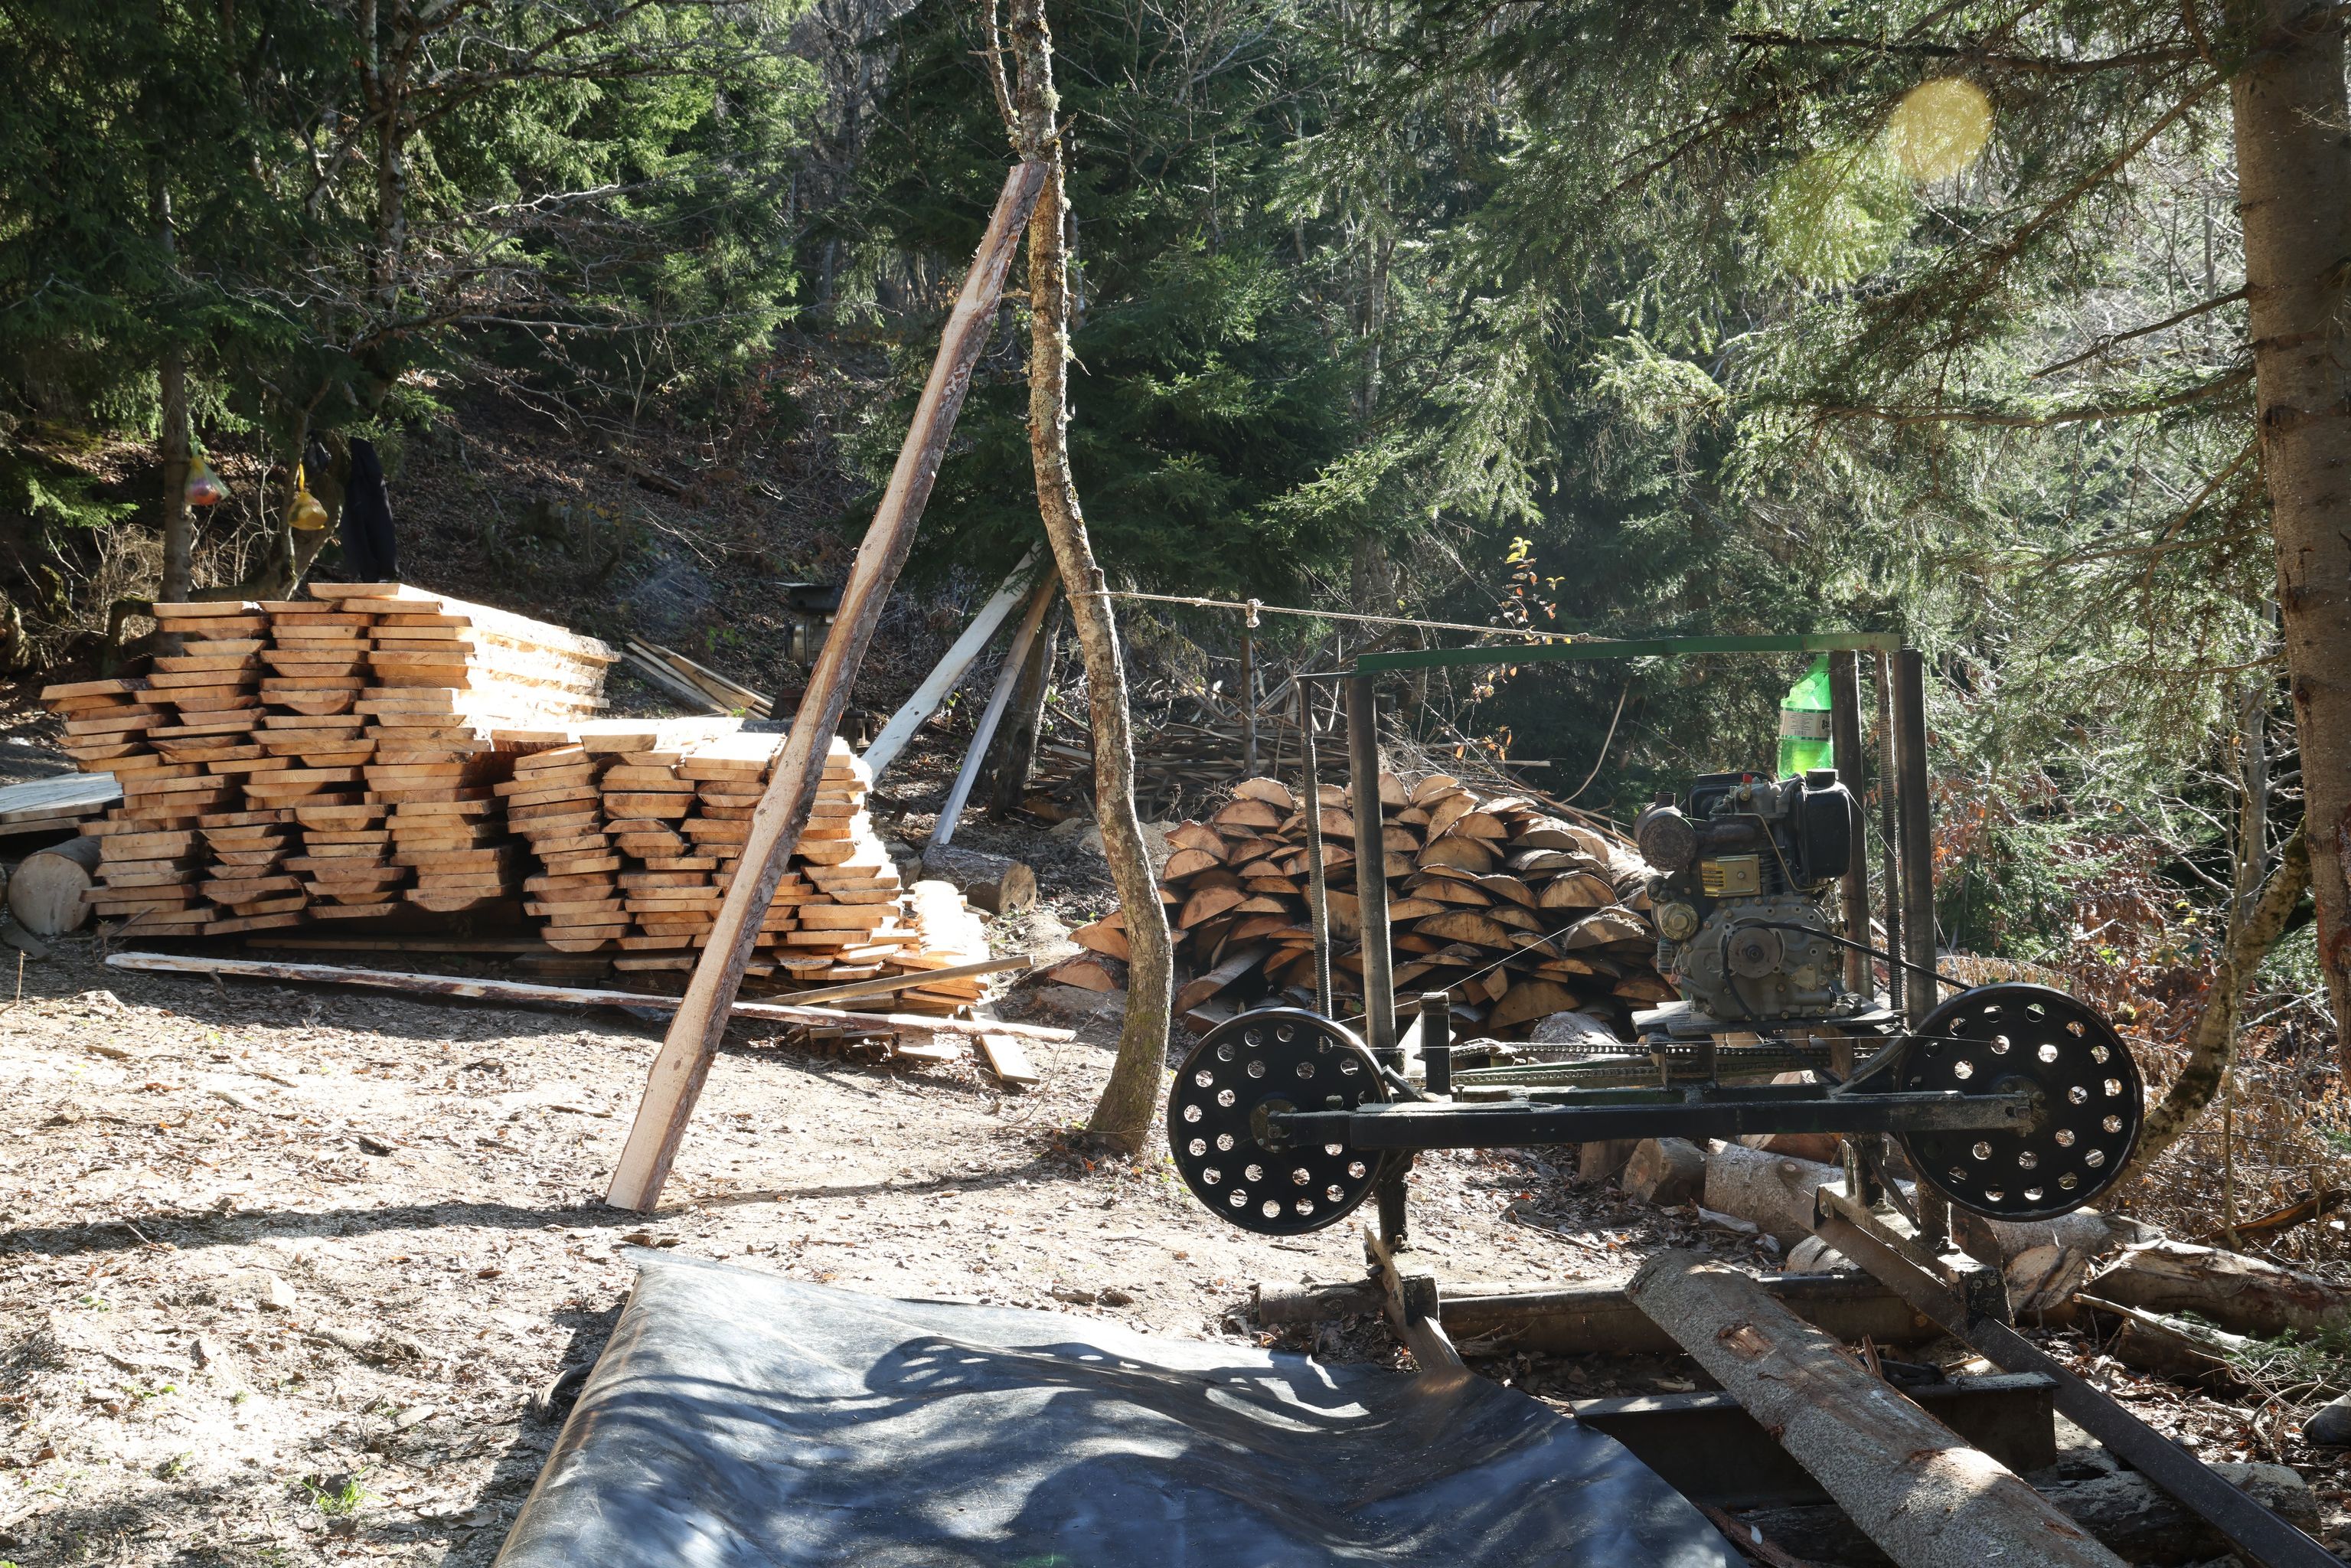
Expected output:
(2015, 1101)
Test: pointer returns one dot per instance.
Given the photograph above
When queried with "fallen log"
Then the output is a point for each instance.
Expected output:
(1666, 1172)
(1774, 1191)
(2171, 1347)
(1913, 1487)
(1600, 1320)
(2241, 1294)
(1596, 1161)
(2045, 1261)
(46, 894)
(528, 993)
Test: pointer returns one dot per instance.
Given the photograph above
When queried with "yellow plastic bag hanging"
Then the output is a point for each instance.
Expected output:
(204, 487)
(303, 513)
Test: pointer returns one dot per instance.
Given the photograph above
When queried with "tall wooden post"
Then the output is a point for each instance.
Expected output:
(1370, 871)
(1917, 896)
(1318, 905)
(782, 815)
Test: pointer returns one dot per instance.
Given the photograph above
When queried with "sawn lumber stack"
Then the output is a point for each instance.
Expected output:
(319, 759)
(380, 747)
(638, 834)
(1518, 912)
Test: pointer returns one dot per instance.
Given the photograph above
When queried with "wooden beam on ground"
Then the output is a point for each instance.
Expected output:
(1016, 658)
(1916, 1488)
(531, 994)
(782, 814)
(887, 984)
(1600, 1320)
(948, 671)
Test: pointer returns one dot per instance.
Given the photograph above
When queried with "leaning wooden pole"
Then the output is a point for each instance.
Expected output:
(783, 811)
(1910, 1483)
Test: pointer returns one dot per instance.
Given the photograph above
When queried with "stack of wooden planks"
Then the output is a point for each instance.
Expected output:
(319, 759)
(555, 803)
(179, 741)
(639, 833)
(1517, 911)
(947, 934)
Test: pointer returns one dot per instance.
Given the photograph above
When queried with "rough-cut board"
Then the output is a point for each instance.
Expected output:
(950, 669)
(1007, 1061)
(68, 795)
(530, 994)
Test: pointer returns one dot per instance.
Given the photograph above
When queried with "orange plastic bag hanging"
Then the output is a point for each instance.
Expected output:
(204, 487)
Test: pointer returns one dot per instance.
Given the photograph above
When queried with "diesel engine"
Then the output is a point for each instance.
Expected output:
(1743, 873)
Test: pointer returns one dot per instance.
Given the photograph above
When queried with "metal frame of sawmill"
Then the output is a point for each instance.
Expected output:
(1701, 1110)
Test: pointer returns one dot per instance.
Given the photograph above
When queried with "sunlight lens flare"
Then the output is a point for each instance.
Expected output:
(1835, 216)
(1939, 128)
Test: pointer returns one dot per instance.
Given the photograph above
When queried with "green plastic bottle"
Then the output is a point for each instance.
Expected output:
(1804, 723)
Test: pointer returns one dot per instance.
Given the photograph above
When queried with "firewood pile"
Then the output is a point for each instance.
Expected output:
(1517, 912)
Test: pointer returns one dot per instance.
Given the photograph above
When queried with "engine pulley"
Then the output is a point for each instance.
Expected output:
(2009, 1038)
(1248, 1069)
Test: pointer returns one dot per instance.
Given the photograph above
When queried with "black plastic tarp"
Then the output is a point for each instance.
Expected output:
(737, 1417)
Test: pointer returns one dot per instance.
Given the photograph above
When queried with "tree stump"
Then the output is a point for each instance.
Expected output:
(997, 884)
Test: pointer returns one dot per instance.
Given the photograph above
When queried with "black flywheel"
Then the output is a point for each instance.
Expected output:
(2005, 1040)
(1258, 1065)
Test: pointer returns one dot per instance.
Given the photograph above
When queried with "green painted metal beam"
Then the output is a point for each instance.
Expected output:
(1640, 648)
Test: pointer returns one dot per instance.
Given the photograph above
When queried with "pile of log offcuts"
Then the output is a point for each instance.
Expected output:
(319, 759)
(1517, 911)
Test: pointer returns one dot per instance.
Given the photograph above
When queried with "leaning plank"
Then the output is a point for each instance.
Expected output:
(782, 814)
(530, 993)
(694, 698)
(1913, 1487)
(949, 670)
(1016, 658)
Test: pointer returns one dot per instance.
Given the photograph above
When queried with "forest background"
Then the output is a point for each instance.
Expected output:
(1542, 314)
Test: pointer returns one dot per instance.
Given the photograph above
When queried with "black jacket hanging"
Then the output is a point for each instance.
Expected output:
(370, 552)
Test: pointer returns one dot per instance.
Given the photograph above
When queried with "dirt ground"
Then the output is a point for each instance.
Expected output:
(283, 1272)
(293, 1275)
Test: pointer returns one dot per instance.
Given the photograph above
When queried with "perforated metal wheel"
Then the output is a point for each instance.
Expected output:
(1262, 1064)
(2087, 1097)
